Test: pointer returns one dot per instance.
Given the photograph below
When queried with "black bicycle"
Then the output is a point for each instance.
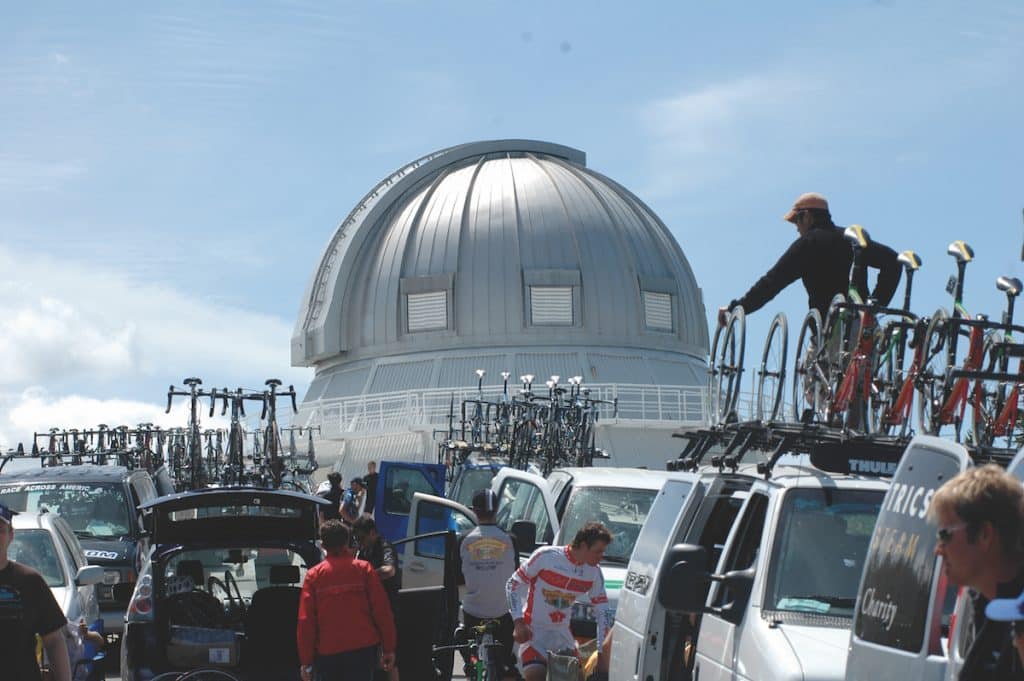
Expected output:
(480, 650)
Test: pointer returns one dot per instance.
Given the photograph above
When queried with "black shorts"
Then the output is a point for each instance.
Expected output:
(507, 652)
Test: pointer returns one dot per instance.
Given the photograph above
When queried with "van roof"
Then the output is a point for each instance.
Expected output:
(85, 471)
(601, 476)
(798, 475)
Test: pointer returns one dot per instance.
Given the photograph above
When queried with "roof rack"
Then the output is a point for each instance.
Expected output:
(834, 450)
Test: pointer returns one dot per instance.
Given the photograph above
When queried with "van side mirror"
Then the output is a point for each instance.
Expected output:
(684, 581)
(525, 534)
(90, 574)
(738, 584)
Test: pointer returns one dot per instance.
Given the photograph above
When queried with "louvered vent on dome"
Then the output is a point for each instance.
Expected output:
(551, 305)
(658, 311)
(427, 311)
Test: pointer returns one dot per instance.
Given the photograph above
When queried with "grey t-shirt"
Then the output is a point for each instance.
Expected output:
(488, 560)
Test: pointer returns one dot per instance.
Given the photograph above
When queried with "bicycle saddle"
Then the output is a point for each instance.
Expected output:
(961, 251)
(857, 235)
(910, 260)
(1011, 285)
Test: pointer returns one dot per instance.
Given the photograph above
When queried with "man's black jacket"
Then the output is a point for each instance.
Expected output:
(822, 259)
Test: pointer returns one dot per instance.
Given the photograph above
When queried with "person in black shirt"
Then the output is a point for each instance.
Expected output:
(980, 518)
(376, 551)
(334, 495)
(27, 609)
(370, 479)
(821, 257)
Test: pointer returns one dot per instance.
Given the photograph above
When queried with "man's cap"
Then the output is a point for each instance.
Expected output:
(358, 481)
(485, 500)
(7, 514)
(804, 202)
(1006, 609)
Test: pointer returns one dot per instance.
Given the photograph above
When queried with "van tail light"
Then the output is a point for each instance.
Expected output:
(141, 607)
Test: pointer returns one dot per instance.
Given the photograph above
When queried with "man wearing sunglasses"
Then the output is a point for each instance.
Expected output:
(821, 257)
(980, 518)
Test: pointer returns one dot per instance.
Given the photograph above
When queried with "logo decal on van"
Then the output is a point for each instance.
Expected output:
(878, 609)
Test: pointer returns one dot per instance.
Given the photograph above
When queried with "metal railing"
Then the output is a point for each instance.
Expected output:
(676, 405)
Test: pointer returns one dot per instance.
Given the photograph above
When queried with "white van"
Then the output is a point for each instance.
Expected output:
(786, 546)
(557, 506)
(901, 625)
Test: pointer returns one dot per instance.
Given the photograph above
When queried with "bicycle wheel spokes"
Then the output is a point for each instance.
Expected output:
(886, 381)
(931, 380)
(772, 372)
(730, 365)
(807, 374)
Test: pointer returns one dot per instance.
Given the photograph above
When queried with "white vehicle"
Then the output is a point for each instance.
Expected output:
(45, 542)
(747, 574)
(558, 507)
(901, 625)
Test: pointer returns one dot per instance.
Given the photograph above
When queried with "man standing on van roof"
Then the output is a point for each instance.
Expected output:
(821, 257)
(542, 591)
(980, 514)
(27, 608)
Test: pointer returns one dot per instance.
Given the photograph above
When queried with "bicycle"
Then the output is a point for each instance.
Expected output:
(996, 412)
(481, 660)
(193, 443)
(726, 368)
(203, 674)
(892, 393)
(945, 379)
(272, 434)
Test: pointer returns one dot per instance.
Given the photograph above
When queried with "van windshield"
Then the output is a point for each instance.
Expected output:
(621, 510)
(93, 510)
(820, 550)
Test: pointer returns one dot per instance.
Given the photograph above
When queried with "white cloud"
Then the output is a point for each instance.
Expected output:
(76, 324)
(35, 410)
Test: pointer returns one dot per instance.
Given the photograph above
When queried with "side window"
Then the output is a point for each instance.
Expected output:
(399, 487)
(137, 499)
(716, 529)
(434, 517)
(743, 552)
(144, 487)
(522, 500)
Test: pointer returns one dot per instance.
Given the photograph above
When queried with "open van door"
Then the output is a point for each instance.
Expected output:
(961, 634)
(397, 482)
(525, 496)
(897, 621)
(428, 600)
(640, 619)
(423, 562)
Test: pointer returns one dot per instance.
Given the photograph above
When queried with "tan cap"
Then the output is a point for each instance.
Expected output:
(805, 201)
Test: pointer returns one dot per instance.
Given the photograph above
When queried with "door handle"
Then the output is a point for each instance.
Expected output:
(417, 566)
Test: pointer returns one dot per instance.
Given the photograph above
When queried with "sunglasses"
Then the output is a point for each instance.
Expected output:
(945, 534)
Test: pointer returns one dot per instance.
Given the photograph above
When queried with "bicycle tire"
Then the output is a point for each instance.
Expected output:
(730, 365)
(931, 380)
(772, 373)
(712, 387)
(806, 376)
(207, 674)
(887, 375)
(986, 404)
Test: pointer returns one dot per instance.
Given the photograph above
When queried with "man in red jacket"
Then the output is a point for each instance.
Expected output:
(344, 614)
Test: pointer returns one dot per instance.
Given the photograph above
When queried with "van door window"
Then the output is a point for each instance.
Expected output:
(522, 500)
(399, 487)
(743, 553)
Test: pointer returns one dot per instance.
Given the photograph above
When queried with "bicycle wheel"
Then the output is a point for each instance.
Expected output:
(931, 379)
(730, 365)
(807, 376)
(988, 397)
(209, 674)
(772, 373)
(712, 388)
(887, 377)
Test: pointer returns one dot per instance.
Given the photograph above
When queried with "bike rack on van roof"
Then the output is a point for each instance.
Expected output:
(834, 450)
(50, 459)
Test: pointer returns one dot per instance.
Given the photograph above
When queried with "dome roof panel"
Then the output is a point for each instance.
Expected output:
(478, 227)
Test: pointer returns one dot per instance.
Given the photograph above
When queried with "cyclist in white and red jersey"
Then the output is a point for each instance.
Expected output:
(542, 591)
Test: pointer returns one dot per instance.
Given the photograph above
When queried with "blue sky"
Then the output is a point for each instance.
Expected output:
(169, 174)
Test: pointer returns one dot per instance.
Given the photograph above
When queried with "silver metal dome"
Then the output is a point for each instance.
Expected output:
(507, 255)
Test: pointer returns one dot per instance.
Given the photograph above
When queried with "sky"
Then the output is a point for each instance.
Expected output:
(171, 172)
